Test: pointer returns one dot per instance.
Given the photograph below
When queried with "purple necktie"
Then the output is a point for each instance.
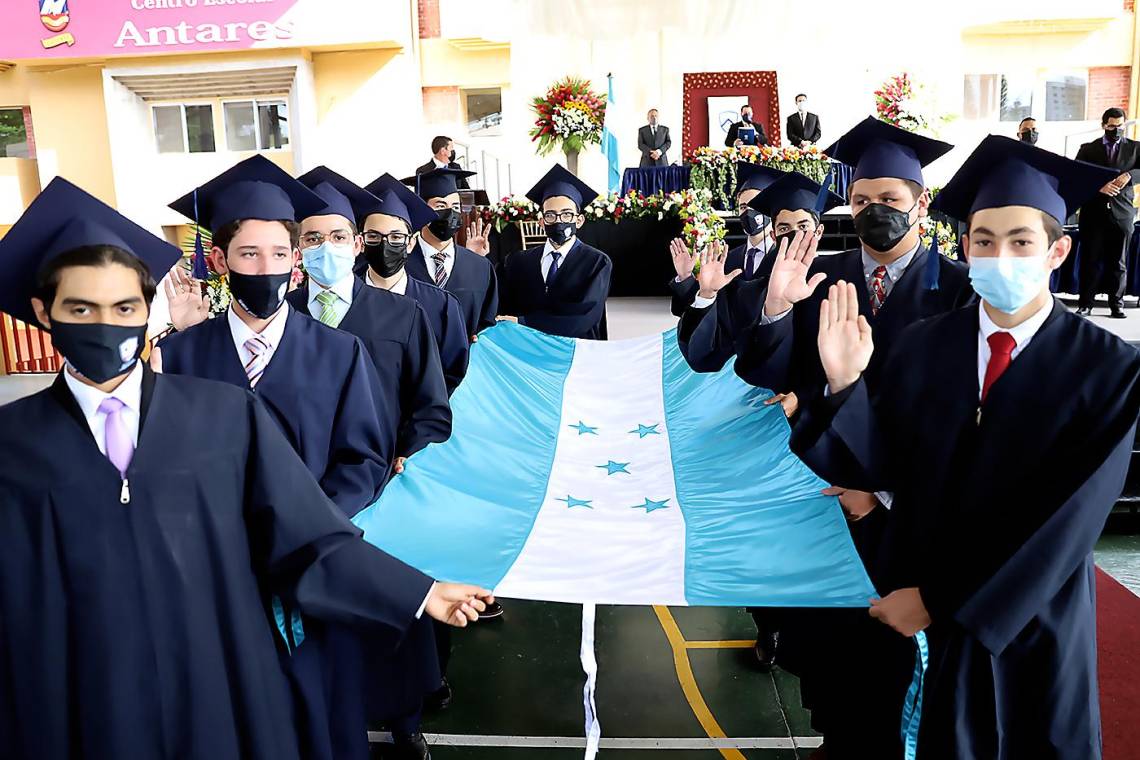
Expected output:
(119, 444)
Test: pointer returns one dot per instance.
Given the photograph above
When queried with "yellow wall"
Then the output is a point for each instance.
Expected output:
(445, 65)
(338, 76)
(1107, 44)
(14, 87)
(19, 184)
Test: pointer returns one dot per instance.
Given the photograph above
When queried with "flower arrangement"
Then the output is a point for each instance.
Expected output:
(217, 285)
(570, 117)
(715, 170)
(510, 209)
(947, 240)
(895, 103)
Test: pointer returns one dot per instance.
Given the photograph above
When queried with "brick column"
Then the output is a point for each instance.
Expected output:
(1108, 88)
(429, 18)
(441, 104)
(28, 129)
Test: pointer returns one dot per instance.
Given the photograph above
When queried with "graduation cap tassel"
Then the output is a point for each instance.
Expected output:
(932, 263)
(198, 269)
(824, 192)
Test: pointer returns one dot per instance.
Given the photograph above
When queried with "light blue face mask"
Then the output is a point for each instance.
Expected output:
(328, 264)
(1008, 283)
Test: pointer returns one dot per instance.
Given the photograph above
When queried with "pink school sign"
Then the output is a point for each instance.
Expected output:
(47, 29)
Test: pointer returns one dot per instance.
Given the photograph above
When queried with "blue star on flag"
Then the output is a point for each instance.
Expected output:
(584, 429)
(612, 468)
(652, 506)
(644, 430)
(571, 502)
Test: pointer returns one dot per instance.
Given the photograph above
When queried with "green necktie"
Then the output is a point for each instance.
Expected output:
(327, 299)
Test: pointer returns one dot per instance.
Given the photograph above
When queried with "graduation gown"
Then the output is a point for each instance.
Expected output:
(472, 281)
(575, 303)
(451, 335)
(997, 508)
(320, 388)
(685, 291)
(139, 630)
(396, 334)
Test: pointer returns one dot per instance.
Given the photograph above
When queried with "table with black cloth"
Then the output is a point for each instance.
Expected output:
(656, 179)
(1067, 278)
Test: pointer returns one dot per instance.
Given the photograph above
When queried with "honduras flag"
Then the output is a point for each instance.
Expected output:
(610, 473)
(609, 142)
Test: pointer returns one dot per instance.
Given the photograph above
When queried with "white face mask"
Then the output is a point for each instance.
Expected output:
(802, 106)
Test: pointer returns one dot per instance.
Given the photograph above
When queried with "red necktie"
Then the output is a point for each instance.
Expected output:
(878, 289)
(1001, 354)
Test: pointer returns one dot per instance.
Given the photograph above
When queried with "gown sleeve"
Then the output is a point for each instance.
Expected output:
(683, 293)
(426, 410)
(765, 353)
(490, 303)
(575, 318)
(454, 345)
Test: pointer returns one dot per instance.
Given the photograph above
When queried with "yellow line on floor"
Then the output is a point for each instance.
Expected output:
(719, 644)
(689, 682)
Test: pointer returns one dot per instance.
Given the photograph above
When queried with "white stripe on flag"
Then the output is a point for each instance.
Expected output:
(611, 487)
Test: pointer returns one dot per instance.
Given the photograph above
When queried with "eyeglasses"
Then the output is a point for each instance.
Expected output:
(550, 217)
(393, 239)
(313, 239)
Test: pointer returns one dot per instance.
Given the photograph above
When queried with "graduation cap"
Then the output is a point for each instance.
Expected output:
(62, 218)
(341, 195)
(877, 149)
(1006, 172)
(750, 176)
(395, 199)
(559, 182)
(794, 191)
(437, 183)
(255, 188)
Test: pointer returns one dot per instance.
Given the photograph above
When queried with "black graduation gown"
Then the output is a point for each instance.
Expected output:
(139, 630)
(994, 520)
(684, 291)
(321, 389)
(396, 334)
(574, 305)
(451, 335)
(708, 336)
(472, 281)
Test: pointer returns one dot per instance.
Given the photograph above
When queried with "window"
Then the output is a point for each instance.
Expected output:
(1065, 96)
(256, 124)
(184, 128)
(980, 96)
(13, 134)
(484, 111)
(1016, 97)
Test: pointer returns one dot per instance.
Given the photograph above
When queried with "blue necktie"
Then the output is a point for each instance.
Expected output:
(750, 263)
(555, 256)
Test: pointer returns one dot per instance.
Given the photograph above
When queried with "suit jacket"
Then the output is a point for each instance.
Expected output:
(1119, 209)
(802, 128)
(761, 136)
(460, 182)
(472, 281)
(575, 303)
(647, 141)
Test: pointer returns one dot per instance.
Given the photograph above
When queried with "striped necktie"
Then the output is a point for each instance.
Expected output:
(440, 258)
(327, 299)
(258, 347)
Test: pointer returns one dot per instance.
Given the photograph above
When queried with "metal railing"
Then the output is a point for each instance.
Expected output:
(1090, 132)
(494, 173)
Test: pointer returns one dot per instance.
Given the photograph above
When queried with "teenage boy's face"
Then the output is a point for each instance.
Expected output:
(259, 247)
(447, 201)
(385, 224)
(109, 295)
(888, 191)
(331, 228)
(744, 197)
(1015, 232)
(799, 220)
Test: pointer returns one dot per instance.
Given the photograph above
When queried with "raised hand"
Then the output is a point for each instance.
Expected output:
(844, 337)
(712, 277)
(789, 284)
(683, 258)
(457, 604)
(184, 297)
(477, 236)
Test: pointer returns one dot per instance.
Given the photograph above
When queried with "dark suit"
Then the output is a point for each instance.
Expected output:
(460, 182)
(648, 140)
(802, 128)
(1106, 225)
(730, 138)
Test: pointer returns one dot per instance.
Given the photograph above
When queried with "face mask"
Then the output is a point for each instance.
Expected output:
(259, 294)
(746, 118)
(1029, 137)
(328, 264)
(1008, 283)
(385, 259)
(1112, 135)
(561, 232)
(752, 221)
(446, 224)
(99, 352)
(802, 106)
(790, 236)
(881, 227)
(451, 157)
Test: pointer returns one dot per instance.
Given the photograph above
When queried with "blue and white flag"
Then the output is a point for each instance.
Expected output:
(609, 142)
(610, 473)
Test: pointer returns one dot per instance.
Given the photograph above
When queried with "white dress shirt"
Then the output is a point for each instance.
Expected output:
(762, 248)
(429, 252)
(1022, 334)
(400, 288)
(548, 255)
(272, 334)
(343, 292)
(439, 164)
(89, 398)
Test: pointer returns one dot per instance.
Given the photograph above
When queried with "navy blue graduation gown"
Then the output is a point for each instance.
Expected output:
(472, 281)
(575, 303)
(685, 291)
(708, 336)
(996, 511)
(396, 334)
(321, 389)
(140, 630)
(446, 319)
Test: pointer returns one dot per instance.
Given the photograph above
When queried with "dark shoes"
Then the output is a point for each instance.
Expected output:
(439, 700)
(1084, 311)
(765, 650)
(413, 747)
(1117, 313)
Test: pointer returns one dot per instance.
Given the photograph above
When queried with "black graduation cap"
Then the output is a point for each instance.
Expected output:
(341, 195)
(794, 191)
(255, 188)
(395, 199)
(61, 218)
(560, 182)
(437, 183)
(1006, 172)
(750, 176)
(878, 149)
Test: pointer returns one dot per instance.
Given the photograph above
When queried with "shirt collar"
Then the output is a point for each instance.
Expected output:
(400, 288)
(895, 269)
(548, 249)
(429, 250)
(89, 398)
(439, 164)
(1023, 333)
(272, 333)
(342, 289)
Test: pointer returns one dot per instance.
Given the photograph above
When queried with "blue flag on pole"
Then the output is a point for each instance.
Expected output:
(609, 142)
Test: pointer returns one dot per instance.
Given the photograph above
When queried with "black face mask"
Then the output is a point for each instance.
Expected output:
(561, 232)
(752, 221)
(386, 259)
(259, 294)
(789, 236)
(1029, 137)
(446, 224)
(1112, 135)
(881, 227)
(746, 118)
(99, 352)
(451, 157)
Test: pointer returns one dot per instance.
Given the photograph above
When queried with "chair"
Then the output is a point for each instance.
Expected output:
(532, 234)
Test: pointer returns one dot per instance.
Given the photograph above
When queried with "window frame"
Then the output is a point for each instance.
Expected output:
(490, 90)
(181, 105)
(257, 102)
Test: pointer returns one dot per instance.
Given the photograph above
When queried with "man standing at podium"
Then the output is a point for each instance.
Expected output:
(653, 142)
(745, 131)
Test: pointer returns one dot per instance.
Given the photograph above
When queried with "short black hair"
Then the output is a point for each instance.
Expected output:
(746, 105)
(1054, 230)
(1112, 113)
(814, 214)
(225, 235)
(916, 190)
(1021, 123)
(438, 143)
(47, 279)
(364, 219)
(801, 95)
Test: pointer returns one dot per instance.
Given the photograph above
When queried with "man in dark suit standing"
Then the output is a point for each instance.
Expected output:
(1106, 221)
(443, 157)
(653, 142)
(732, 139)
(803, 126)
